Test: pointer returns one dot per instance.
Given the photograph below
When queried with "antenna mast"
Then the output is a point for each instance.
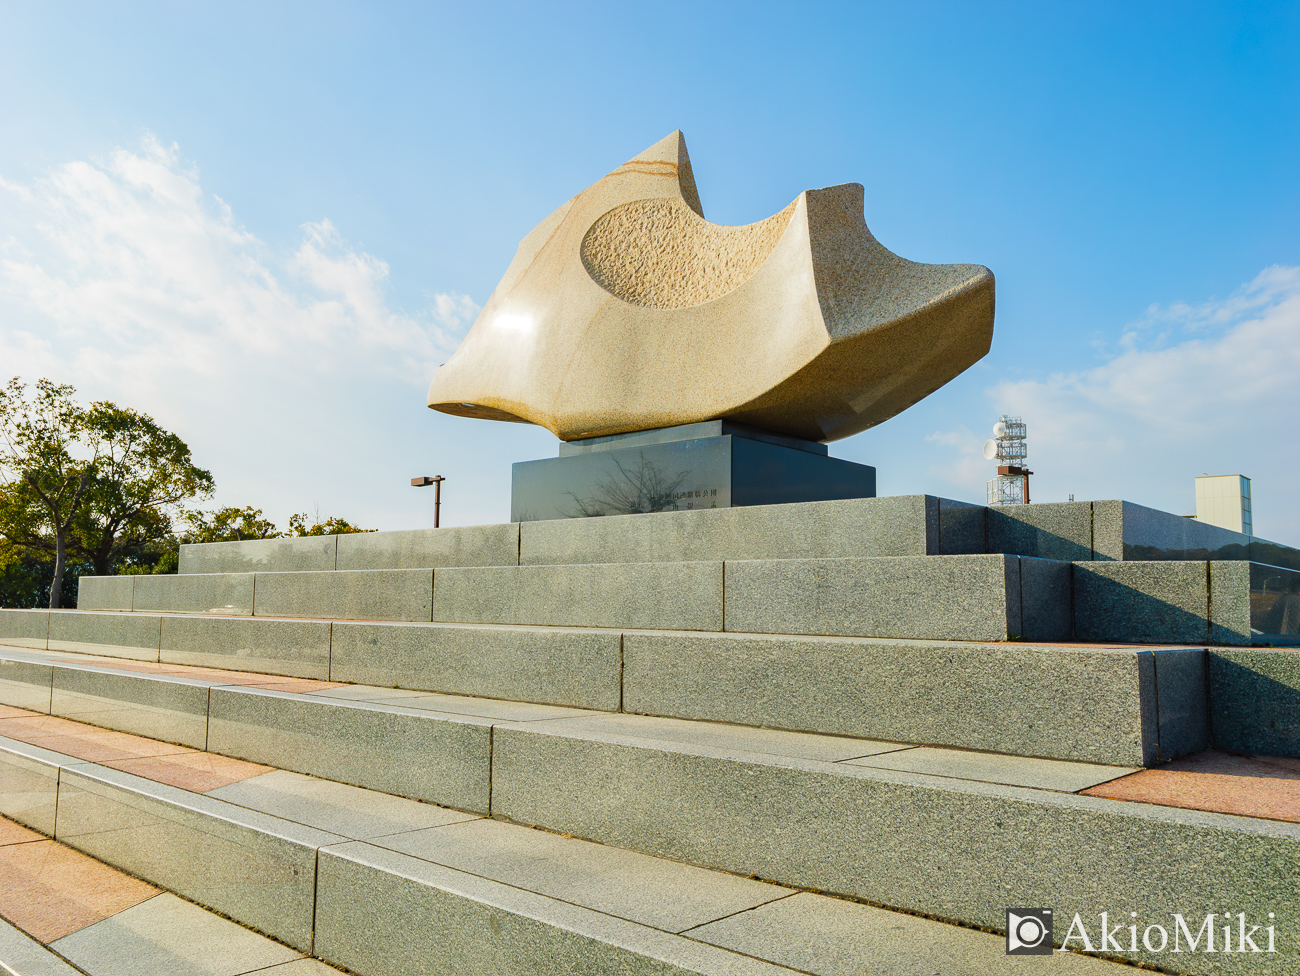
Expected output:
(1011, 486)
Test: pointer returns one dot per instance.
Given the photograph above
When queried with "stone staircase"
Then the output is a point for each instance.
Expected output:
(825, 738)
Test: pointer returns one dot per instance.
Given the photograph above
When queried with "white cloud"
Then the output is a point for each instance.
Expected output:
(125, 277)
(1198, 388)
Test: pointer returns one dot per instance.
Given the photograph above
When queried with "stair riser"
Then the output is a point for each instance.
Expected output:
(915, 843)
(941, 597)
(369, 899)
(1120, 707)
(257, 869)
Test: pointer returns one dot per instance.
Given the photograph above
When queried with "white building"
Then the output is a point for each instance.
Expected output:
(1224, 500)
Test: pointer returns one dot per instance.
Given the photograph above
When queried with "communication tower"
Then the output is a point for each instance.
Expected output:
(1011, 486)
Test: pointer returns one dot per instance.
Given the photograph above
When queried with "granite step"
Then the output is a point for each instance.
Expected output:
(909, 525)
(61, 909)
(1110, 705)
(943, 597)
(382, 885)
(979, 597)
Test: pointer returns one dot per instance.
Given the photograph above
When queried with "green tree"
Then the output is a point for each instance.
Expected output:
(98, 484)
(330, 526)
(228, 524)
(44, 486)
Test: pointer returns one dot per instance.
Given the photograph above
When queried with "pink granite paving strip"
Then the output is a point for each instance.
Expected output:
(197, 772)
(83, 741)
(50, 891)
(14, 833)
(1249, 786)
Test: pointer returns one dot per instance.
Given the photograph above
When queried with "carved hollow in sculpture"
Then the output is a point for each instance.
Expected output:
(626, 310)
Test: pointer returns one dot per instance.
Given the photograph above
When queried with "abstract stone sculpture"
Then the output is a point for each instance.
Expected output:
(626, 310)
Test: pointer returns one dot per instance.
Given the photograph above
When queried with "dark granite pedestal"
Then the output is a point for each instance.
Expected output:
(716, 464)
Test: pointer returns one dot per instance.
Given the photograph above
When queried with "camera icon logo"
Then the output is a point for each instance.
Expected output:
(1029, 931)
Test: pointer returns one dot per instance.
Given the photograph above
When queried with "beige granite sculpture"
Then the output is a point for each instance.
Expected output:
(626, 310)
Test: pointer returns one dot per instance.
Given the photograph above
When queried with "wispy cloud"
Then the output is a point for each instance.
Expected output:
(126, 277)
(1194, 388)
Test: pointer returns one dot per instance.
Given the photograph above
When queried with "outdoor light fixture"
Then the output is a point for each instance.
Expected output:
(436, 481)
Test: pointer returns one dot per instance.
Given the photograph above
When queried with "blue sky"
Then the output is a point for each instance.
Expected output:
(265, 224)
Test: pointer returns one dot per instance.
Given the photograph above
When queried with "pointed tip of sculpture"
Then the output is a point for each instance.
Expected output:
(671, 149)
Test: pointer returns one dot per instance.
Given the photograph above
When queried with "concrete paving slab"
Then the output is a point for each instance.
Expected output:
(346, 810)
(735, 737)
(27, 957)
(1041, 774)
(474, 927)
(166, 936)
(653, 891)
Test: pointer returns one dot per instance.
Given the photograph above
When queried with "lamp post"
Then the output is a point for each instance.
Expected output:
(436, 481)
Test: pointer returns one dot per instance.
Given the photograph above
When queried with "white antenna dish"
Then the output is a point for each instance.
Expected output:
(999, 430)
(990, 449)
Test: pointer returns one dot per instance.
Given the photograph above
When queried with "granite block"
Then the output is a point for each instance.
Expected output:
(1045, 599)
(24, 628)
(1230, 600)
(374, 594)
(472, 926)
(105, 592)
(29, 783)
(946, 848)
(24, 955)
(255, 868)
(963, 528)
(25, 684)
(1107, 530)
(1254, 700)
(301, 554)
(555, 666)
(472, 545)
(428, 756)
(1273, 604)
(1082, 704)
(1182, 709)
(941, 597)
(905, 525)
(166, 936)
(620, 883)
(1151, 534)
(128, 635)
(493, 708)
(831, 937)
(673, 596)
(1274, 554)
(297, 648)
(986, 767)
(1052, 530)
(159, 707)
(230, 594)
(1145, 602)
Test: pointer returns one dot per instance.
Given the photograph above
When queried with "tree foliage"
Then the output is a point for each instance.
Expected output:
(97, 485)
(102, 489)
